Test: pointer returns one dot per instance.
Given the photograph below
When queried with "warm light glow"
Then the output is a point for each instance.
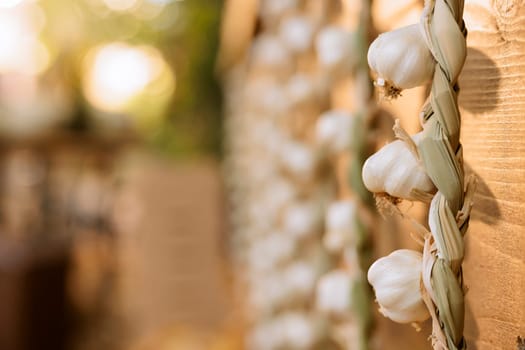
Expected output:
(117, 73)
(20, 49)
(9, 3)
(120, 5)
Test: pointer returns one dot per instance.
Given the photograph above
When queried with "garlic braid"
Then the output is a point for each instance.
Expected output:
(441, 153)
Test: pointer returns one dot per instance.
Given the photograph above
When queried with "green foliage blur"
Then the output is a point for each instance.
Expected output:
(184, 31)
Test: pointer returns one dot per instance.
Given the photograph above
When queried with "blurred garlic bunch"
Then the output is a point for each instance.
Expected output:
(297, 33)
(395, 170)
(299, 160)
(396, 279)
(340, 224)
(334, 48)
(300, 278)
(291, 330)
(303, 89)
(269, 54)
(270, 250)
(401, 60)
(303, 219)
(276, 172)
(271, 11)
(301, 330)
(334, 293)
(333, 130)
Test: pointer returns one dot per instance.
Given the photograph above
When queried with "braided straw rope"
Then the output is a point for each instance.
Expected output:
(441, 153)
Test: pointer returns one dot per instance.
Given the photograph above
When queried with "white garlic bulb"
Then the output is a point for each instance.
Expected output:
(334, 47)
(267, 335)
(297, 33)
(302, 220)
(395, 170)
(396, 279)
(277, 8)
(334, 293)
(266, 96)
(301, 330)
(300, 279)
(298, 159)
(301, 89)
(333, 130)
(269, 52)
(270, 250)
(401, 59)
(340, 223)
(268, 291)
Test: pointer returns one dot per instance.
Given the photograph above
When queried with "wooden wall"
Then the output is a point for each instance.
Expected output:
(492, 101)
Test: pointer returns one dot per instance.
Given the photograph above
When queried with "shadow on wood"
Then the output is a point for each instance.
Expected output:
(479, 71)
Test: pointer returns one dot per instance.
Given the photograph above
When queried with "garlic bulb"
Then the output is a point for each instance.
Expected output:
(298, 159)
(395, 170)
(401, 59)
(333, 130)
(334, 293)
(302, 219)
(300, 279)
(268, 291)
(297, 33)
(266, 96)
(277, 8)
(300, 89)
(269, 53)
(301, 330)
(340, 222)
(270, 250)
(396, 281)
(334, 47)
(267, 335)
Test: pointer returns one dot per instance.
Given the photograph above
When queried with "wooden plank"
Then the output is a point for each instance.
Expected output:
(493, 107)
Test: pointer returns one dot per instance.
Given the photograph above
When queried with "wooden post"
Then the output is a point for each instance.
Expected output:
(493, 107)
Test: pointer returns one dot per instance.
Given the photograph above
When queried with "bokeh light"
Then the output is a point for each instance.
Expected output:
(10, 3)
(117, 73)
(121, 5)
(21, 50)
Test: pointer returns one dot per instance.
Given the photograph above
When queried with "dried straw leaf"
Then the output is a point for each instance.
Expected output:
(450, 304)
(441, 164)
(447, 237)
(445, 107)
(448, 42)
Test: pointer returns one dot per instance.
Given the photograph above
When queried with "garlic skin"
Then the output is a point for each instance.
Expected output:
(396, 281)
(298, 159)
(297, 33)
(301, 330)
(267, 335)
(302, 219)
(300, 279)
(270, 250)
(334, 47)
(333, 130)
(301, 89)
(395, 170)
(340, 223)
(334, 293)
(401, 58)
(269, 54)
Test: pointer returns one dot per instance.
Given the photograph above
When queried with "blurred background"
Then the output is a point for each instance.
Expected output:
(112, 225)
(186, 174)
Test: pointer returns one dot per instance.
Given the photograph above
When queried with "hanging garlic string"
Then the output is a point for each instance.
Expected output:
(435, 153)
(344, 292)
(441, 153)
